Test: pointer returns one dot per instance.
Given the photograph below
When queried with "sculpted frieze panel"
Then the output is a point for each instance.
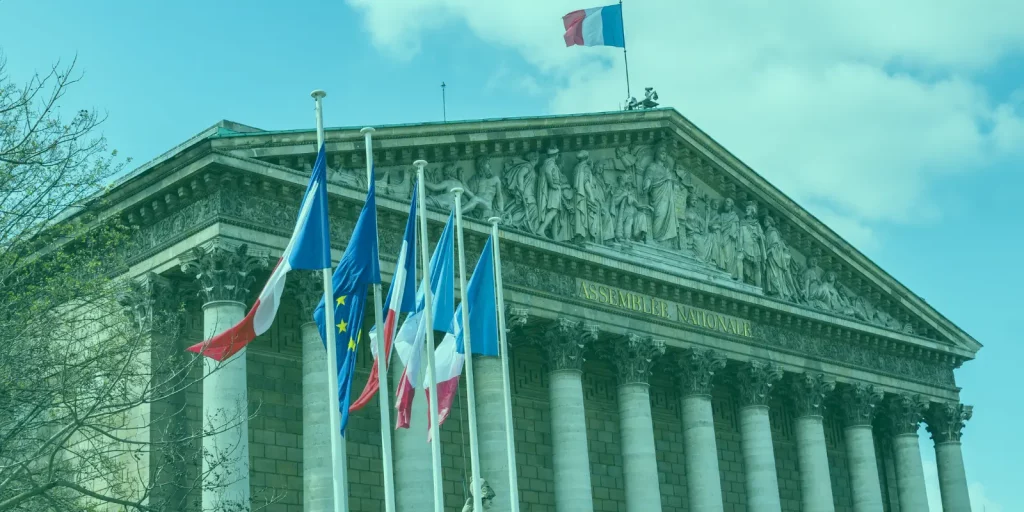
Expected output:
(640, 200)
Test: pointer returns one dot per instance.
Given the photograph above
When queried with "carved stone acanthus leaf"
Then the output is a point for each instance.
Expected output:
(565, 343)
(809, 391)
(697, 370)
(150, 303)
(946, 421)
(224, 272)
(859, 403)
(904, 413)
(308, 290)
(756, 379)
(634, 357)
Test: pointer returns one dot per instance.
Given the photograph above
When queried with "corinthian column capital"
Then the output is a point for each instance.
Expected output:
(634, 356)
(565, 343)
(756, 379)
(150, 303)
(809, 391)
(904, 413)
(945, 421)
(308, 289)
(859, 403)
(697, 369)
(224, 272)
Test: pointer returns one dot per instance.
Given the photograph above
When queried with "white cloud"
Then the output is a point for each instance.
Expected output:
(856, 107)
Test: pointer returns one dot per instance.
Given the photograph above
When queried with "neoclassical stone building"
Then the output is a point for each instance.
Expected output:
(684, 336)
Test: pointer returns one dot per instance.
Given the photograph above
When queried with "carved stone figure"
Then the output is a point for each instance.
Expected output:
(630, 219)
(811, 278)
(442, 196)
(396, 183)
(659, 185)
(729, 239)
(587, 202)
(695, 228)
(486, 198)
(825, 296)
(487, 497)
(521, 182)
(552, 192)
(779, 266)
(752, 251)
(713, 224)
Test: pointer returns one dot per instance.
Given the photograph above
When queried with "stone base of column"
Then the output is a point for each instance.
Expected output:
(762, 481)
(571, 454)
(703, 482)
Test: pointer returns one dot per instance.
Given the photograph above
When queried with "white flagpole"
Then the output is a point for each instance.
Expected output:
(338, 454)
(510, 444)
(428, 313)
(382, 371)
(474, 454)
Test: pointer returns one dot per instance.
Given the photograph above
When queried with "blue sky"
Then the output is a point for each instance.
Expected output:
(898, 125)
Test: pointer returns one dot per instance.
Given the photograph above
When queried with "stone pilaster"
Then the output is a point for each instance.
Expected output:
(756, 380)
(945, 423)
(903, 418)
(859, 402)
(153, 307)
(317, 471)
(565, 343)
(704, 485)
(634, 356)
(809, 391)
(224, 273)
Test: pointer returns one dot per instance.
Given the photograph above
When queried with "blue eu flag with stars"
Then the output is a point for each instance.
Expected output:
(358, 269)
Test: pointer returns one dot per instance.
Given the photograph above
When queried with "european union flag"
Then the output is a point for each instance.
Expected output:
(358, 269)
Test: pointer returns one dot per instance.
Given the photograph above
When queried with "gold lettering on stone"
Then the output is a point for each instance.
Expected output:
(655, 307)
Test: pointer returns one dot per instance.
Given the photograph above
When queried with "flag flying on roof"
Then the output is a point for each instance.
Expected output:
(412, 335)
(400, 299)
(358, 269)
(483, 324)
(597, 26)
(308, 249)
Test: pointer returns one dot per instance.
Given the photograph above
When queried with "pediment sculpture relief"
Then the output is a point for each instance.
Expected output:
(639, 197)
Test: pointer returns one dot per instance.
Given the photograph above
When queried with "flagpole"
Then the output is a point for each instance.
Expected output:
(510, 444)
(338, 455)
(624, 58)
(428, 312)
(474, 454)
(382, 368)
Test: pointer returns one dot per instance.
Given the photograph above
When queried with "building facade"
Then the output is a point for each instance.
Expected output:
(683, 335)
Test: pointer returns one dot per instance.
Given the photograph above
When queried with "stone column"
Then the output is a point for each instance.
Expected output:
(153, 306)
(317, 469)
(756, 380)
(809, 392)
(633, 357)
(414, 480)
(946, 422)
(859, 401)
(565, 343)
(225, 275)
(904, 414)
(703, 482)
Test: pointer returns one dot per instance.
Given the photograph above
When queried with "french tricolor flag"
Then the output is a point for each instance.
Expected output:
(400, 299)
(598, 26)
(412, 335)
(308, 249)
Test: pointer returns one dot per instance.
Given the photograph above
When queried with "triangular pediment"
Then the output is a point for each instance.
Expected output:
(642, 186)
